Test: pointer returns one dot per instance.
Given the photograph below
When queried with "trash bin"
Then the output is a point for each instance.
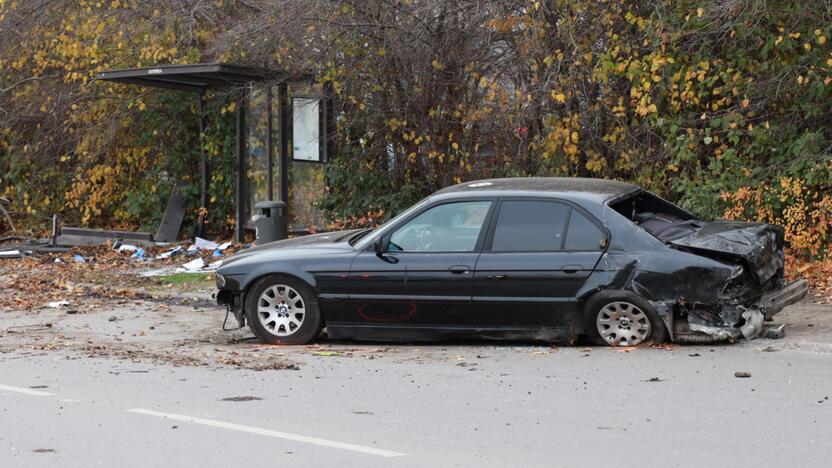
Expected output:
(269, 221)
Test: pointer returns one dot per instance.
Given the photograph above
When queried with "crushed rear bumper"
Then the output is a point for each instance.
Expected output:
(773, 302)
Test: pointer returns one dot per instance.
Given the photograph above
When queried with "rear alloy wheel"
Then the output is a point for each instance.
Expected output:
(622, 318)
(623, 324)
(283, 310)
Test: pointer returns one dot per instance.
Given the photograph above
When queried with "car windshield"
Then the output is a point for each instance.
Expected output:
(362, 240)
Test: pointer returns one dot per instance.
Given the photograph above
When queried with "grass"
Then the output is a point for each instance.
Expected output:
(185, 279)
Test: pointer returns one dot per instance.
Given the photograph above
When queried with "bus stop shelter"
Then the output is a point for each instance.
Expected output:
(281, 134)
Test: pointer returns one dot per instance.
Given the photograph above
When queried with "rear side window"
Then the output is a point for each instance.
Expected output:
(530, 226)
(582, 234)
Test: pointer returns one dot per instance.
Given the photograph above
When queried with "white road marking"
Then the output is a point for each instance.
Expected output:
(25, 391)
(270, 433)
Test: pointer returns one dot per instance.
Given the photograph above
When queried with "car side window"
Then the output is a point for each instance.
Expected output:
(451, 227)
(582, 234)
(530, 226)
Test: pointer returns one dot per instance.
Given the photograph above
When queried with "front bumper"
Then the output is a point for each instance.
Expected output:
(233, 302)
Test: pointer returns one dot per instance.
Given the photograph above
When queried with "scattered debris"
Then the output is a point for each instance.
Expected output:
(742, 374)
(774, 333)
(170, 253)
(194, 265)
(11, 254)
(73, 236)
(663, 346)
(653, 379)
(202, 244)
(57, 304)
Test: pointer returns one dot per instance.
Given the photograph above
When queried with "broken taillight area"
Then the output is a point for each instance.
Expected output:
(737, 317)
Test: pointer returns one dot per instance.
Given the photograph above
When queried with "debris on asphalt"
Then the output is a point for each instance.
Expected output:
(663, 346)
(242, 398)
(742, 374)
(774, 333)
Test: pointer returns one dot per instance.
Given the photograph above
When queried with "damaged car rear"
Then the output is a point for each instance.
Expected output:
(546, 259)
(736, 286)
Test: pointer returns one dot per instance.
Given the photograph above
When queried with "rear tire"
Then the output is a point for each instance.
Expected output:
(621, 318)
(283, 310)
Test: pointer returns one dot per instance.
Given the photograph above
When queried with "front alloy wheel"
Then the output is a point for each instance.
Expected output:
(281, 310)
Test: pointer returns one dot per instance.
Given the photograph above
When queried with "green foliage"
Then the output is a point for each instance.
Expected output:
(361, 193)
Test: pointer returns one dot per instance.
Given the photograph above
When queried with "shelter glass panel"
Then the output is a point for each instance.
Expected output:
(257, 146)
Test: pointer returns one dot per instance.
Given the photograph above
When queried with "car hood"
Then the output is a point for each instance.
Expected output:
(759, 246)
(303, 245)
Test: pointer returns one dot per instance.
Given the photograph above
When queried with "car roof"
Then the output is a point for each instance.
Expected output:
(597, 190)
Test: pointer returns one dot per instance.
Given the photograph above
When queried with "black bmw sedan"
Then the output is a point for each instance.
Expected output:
(549, 259)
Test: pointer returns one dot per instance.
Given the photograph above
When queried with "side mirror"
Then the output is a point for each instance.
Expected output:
(378, 245)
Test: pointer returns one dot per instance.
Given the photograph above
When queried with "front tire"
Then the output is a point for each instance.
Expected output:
(621, 318)
(283, 310)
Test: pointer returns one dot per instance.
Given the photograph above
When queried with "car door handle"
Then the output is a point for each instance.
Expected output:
(459, 269)
(571, 268)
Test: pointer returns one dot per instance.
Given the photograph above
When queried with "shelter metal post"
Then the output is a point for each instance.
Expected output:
(270, 142)
(283, 98)
(329, 125)
(204, 170)
(240, 198)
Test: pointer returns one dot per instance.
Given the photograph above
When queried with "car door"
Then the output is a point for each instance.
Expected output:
(537, 255)
(423, 280)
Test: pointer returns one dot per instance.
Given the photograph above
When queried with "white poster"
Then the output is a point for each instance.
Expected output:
(306, 129)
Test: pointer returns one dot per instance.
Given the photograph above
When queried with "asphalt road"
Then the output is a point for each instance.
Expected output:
(511, 406)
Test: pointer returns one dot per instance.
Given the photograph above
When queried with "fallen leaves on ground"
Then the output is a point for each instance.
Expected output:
(817, 271)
